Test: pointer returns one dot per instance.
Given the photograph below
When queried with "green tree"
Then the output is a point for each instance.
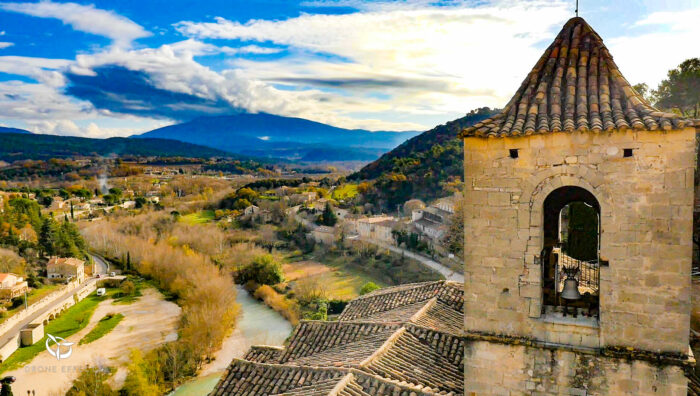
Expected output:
(680, 91)
(48, 236)
(142, 376)
(328, 218)
(454, 240)
(92, 381)
(368, 288)
(263, 270)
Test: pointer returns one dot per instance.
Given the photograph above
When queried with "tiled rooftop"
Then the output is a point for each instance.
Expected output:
(575, 86)
(402, 340)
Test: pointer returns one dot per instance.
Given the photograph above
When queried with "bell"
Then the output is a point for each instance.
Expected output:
(570, 291)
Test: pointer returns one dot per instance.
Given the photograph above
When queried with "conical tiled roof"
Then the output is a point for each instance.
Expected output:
(575, 85)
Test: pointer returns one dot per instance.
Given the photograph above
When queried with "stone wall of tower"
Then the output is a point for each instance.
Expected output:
(504, 369)
(646, 223)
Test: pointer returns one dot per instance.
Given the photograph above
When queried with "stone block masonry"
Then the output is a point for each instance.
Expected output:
(646, 232)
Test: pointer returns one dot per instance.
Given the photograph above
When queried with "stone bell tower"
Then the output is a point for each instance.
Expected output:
(578, 227)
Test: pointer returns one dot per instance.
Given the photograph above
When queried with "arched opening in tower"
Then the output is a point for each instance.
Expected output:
(570, 260)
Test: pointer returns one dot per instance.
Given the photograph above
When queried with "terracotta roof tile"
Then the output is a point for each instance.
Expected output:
(402, 340)
(575, 86)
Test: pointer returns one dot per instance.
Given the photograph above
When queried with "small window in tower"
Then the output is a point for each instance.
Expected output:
(513, 153)
(628, 152)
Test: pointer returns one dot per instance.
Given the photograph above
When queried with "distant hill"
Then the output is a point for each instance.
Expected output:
(425, 167)
(271, 135)
(18, 146)
(13, 130)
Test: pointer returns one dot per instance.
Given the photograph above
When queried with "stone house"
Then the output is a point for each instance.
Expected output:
(377, 228)
(12, 286)
(303, 197)
(65, 268)
(431, 222)
(541, 322)
(255, 213)
(324, 235)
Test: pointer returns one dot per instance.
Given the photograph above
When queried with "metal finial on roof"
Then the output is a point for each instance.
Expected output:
(576, 7)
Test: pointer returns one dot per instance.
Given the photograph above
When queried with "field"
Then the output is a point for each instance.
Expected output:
(339, 282)
(201, 217)
(346, 191)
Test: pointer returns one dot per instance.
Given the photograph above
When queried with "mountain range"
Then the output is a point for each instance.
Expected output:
(26, 145)
(13, 130)
(268, 135)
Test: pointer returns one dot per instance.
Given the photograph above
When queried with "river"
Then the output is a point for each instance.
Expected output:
(257, 324)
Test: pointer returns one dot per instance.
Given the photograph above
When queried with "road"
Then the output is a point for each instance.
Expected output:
(434, 265)
(14, 330)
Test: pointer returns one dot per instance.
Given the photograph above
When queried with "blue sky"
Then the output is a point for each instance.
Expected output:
(114, 68)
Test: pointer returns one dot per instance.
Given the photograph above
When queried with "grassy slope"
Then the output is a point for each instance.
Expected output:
(200, 217)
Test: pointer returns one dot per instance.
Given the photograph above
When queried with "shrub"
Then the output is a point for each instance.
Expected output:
(264, 270)
(368, 288)
(309, 289)
(276, 301)
(335, 307)
(111, 283)
(128, 288)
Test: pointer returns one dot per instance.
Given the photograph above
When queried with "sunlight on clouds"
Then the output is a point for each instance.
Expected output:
(388, 66)
(84, 18)
(457, 53)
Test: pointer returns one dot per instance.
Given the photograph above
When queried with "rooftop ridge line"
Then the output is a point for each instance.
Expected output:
(421, 312)
(402, 384)
(341, 385)
(385, 346)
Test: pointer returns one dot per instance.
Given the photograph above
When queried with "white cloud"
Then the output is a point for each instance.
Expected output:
(391, 66)
(427, 59)
(85, 18)
(5, 44)
(44, 70)
(648, 57)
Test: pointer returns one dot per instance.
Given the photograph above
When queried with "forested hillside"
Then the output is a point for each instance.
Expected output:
(17, 146)
(427, 166)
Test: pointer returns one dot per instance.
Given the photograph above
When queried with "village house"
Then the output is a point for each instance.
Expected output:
(257, 214)
(58, 203)
(65, 268)
(128, 204)
(12, 286)
(610, 316)
(303, 197)
(96, 201)
(376, 228)
(324, 235)
(434, 220)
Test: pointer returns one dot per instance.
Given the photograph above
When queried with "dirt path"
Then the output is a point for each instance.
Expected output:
(147, 322)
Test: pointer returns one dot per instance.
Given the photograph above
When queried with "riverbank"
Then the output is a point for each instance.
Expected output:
(258, 324)
(147, 323)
